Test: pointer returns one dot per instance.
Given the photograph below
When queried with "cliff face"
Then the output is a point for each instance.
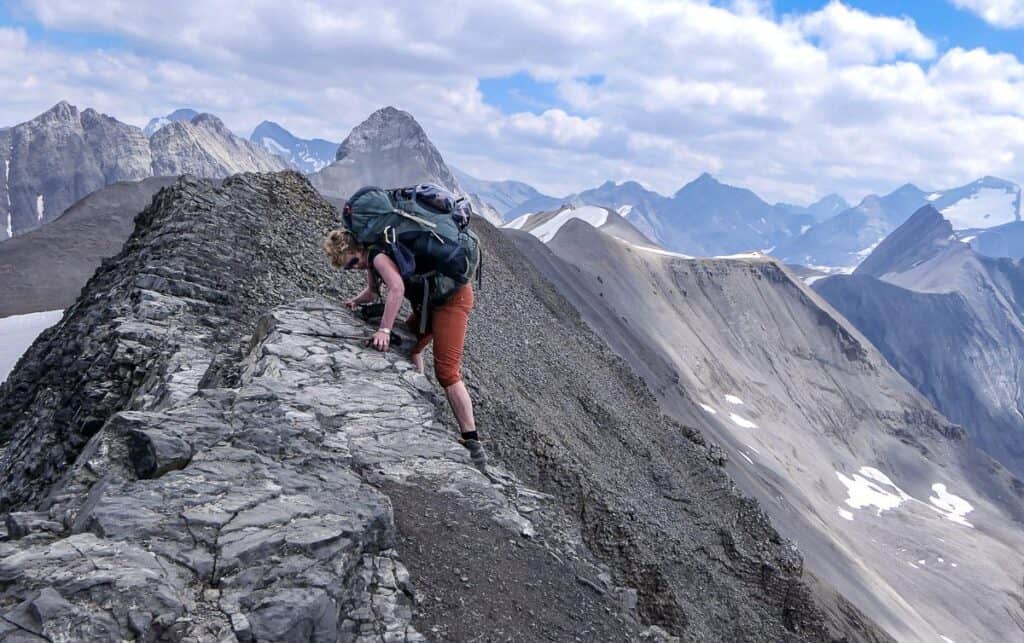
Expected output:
(204, 467)
(55, 159)
(63, 155)
(203, 146)
(951, 321)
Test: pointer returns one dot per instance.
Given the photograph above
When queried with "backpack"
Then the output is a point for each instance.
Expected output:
(421, 221)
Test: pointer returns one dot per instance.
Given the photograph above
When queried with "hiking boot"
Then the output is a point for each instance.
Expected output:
(476, 452)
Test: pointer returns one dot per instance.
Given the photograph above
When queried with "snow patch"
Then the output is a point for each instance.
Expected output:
(846, 514)
(40, 207)
(872, 488)
(866, 251)
(625, 210)
(810, 280)
(969, 239)
(732, 399)
(746, 457)
(946, 639)
(934, 196)
(657, 251)
(18, 332)
(518, 222)
(951, 506)
(804, 228)
(592, 214)
(708, 409)
(741, 255)
(986, 208)
(274, 147)
(7, 192)
(741, 421)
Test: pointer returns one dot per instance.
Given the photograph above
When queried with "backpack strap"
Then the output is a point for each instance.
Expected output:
(424, 313)
(412, 217)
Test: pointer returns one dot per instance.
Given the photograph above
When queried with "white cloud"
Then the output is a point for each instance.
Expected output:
(793, 107)
(854, 36)
(557, 126)
(1001, 13)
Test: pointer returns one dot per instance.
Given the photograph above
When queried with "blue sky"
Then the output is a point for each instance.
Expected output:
(943, 22)
(939, 20)
(794, 99)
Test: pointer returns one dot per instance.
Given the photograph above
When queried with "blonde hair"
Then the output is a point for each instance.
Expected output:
(339, 243)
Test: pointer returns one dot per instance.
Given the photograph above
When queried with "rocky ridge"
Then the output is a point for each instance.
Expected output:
(201, 484)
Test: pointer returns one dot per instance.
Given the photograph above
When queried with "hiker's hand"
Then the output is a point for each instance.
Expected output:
(382, 340)
(351, 304)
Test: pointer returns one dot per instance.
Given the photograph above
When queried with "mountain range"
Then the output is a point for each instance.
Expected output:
(891, 504)
(305, 155)
(63, 155)
(951, 321)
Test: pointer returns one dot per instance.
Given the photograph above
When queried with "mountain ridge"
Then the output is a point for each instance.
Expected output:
(62, 155)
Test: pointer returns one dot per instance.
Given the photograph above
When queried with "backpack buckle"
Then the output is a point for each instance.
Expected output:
(390, 236)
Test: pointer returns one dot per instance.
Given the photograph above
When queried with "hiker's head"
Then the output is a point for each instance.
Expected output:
(343, 250)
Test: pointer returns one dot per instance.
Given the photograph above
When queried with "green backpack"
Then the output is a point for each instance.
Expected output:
(424, 221)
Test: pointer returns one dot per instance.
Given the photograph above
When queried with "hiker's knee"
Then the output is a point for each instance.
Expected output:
(448, 373)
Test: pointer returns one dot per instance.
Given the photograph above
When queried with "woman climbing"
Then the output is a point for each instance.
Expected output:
(447, 321)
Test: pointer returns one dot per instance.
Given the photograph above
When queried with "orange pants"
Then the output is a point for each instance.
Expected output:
(448, 324)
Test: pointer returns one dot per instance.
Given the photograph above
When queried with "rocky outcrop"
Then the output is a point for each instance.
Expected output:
(211, 450)
(55, 159)
(213, 259)
(205, 147)
(258, 511)
(63, 155)
(388, 149)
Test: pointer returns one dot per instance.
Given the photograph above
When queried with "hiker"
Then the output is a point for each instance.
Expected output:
(440, 304)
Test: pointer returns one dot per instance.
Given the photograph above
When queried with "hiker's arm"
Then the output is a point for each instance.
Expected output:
(368, 294)
(372, 290)
(388, 272)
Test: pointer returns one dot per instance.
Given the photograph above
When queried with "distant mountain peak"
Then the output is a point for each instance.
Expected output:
(62, 110)
(305, 155)
(924, 234)
(386, 128)
(180, 114)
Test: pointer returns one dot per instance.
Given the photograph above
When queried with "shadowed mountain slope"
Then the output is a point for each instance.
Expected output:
(951, 321)
(45, 269)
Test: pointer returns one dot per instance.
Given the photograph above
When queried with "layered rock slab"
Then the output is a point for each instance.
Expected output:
(268, 523)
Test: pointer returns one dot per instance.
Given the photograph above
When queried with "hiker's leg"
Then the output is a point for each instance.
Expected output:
(462, 406)
(422, 341)
(449, 324)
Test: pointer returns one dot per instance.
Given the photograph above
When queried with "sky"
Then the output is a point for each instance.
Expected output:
(794, 99)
